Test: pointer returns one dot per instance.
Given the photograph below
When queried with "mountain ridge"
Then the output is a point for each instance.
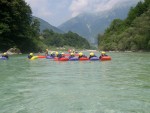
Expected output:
(89, 25)
(45, 25)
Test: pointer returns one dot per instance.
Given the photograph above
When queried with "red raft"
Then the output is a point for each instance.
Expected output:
(41, 56)
(83, 58)
(61, 59)
(105, 58)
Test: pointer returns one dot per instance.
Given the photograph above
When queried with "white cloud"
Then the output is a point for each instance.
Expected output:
(58, 11)
(80, 6)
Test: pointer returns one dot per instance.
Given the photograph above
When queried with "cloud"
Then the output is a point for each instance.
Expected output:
(78, 6)
(81, 6)
(59, 11)
(40, 8)
(53, 11)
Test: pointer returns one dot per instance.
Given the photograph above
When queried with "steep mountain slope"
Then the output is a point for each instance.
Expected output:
(89, 25)
(45, 25)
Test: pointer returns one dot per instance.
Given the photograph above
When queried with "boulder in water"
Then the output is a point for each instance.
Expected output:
(14, 50)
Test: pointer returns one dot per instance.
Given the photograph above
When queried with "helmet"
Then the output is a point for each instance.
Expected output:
(56, 53)
(5, 53)
(73, 50)
(72, 53)
(103, 52)
(31, 54)
(91, 54)
(62, 53)
(51, 52)
(80, 54)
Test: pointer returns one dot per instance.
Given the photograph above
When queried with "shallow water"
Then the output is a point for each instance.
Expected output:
(121, 85)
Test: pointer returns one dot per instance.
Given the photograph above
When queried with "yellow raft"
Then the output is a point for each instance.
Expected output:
(34, 57)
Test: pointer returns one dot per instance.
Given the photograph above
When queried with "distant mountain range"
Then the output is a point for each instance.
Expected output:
(89, 25)
(45, 25)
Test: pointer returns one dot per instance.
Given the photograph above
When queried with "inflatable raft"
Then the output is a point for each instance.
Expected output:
(49, 57)
(3, 58)
(94, 58)
(61, 59)
(105, 58)
(34, 57)
(41, 56)
(73, 59)
(83, 59)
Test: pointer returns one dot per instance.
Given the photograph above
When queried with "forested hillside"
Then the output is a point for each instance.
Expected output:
(133, 33)
(51, 38)
(18, 29)
(89, 25)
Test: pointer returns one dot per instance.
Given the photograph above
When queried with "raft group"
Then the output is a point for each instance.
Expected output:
(72, 56)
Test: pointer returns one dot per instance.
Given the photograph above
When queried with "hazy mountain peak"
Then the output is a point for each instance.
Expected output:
(89, 25)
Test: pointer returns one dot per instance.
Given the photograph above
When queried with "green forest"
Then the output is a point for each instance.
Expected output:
(18, 29)
(131, 34)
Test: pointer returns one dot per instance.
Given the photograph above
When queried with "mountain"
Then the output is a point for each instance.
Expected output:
(45, 25)
(89, 25)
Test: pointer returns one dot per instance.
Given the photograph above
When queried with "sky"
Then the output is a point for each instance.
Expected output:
(57, 12)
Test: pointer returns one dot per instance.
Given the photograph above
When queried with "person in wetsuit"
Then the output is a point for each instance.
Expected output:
(5, 55)
(92, 55)
(61, 55)
(30, 55)
(81, 55)
(103, 53)
(46, 52)
(71, 55)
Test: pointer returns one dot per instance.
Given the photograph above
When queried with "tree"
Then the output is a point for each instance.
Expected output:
(133, 33)
(15, 19)
(35, 25)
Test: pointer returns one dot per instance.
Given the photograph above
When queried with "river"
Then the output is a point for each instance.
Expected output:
(121, 85)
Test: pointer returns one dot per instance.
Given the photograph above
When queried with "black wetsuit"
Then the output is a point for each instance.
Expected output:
(29, 56)
(82, 56)
(71, 56)
(102, 56)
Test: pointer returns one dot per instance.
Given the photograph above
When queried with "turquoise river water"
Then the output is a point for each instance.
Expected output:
(121, 85)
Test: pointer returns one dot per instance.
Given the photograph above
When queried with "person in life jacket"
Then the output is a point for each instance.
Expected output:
(61, 55)
(92, 55)
(46, 52)
(52, 54)
(81, 55)
(56, 54)
(30, 55)
(71, 55)
(103, 53)
(5, 55)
